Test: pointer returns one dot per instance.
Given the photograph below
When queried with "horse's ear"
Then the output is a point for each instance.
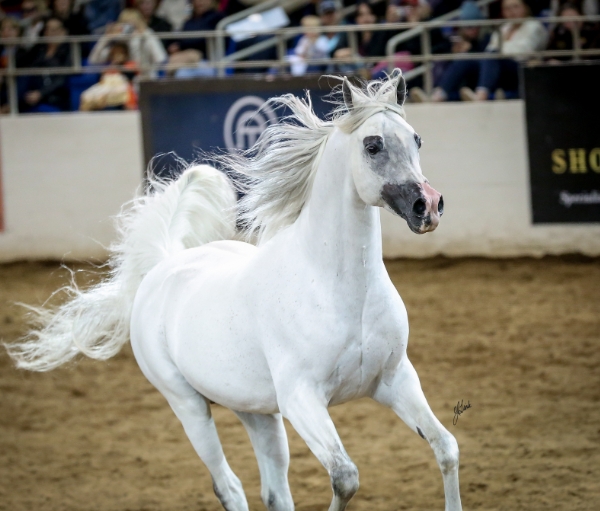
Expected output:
(401, 87)
(347, 93)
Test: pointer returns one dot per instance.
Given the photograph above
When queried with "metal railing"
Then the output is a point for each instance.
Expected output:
(279, 41)
(426, 57)
(219, 54)
(419, 31)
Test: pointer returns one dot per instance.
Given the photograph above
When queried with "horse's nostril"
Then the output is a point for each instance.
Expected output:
(441, 206)
(419, 207)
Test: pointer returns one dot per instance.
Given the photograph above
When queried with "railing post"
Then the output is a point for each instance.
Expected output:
(576, 33)
(146, 66)
(281, 52)
(353, 42)
(76, 55)
(221, 52)
(426, 52)
(13, 99)
(500, 39)
(210, 50)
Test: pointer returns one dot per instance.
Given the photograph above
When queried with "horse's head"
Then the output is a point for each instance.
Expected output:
(386, 171)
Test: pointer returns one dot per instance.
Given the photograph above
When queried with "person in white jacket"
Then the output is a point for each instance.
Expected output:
(144, 47)
(513, 41)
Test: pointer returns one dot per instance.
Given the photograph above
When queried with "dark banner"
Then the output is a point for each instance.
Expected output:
(563, 130)
(185, 117)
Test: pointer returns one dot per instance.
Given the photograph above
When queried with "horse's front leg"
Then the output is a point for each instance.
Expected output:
(309, 416)
(401, 391)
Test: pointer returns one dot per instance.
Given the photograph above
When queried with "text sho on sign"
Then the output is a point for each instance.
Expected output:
(563, 112)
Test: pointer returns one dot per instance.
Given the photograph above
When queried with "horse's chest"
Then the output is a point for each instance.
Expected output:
(374, 344)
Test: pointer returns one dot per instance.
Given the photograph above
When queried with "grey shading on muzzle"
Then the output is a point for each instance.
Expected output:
(407, 201)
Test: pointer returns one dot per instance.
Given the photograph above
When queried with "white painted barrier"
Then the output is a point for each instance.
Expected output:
(64, 176)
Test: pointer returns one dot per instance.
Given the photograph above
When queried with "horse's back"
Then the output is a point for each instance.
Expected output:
(184, 310)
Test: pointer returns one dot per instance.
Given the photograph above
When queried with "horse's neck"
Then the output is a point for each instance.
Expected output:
(335, 227)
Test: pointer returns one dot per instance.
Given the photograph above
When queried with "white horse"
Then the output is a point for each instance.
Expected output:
(305, 320)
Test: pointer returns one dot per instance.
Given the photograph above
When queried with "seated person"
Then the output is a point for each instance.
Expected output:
(48, 93)
(330, 12)
(587, 7)
(101, 13)
(399, 11)
(148, 10)
(312, 45)
(34, 13)
(175, 12)
(145, 48)
(189, 51)
(517, 39)
(10, 28)
(369, 43)
(114, 91)
(561, 37)
(74, 21)
(458, 73)
(415, 11)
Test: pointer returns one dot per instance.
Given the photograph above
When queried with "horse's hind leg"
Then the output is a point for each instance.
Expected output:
(193, 410)
(403, 394)
(269, 439)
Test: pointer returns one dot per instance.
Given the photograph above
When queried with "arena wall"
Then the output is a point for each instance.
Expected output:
(65, 176)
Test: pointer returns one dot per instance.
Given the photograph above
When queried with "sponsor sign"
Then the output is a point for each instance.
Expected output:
(186, 118)
(563, 130)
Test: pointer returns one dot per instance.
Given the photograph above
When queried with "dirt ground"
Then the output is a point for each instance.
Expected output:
(518, 339)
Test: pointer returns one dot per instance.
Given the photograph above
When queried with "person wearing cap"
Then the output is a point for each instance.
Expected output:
(458, 73)
(330, 12)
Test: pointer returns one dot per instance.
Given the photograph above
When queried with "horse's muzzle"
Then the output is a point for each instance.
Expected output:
(418, 203)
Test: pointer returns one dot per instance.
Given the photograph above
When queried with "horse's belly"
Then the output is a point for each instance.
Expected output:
(223, 367)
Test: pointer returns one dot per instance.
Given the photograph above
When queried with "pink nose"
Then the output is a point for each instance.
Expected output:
(431, 206)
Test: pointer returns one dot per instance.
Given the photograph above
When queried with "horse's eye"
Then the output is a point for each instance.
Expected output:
(418, 140)
(373, 145)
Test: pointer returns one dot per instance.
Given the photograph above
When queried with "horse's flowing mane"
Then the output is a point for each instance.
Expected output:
(277, 173)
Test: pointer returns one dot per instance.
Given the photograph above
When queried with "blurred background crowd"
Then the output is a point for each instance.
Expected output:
(145, 20)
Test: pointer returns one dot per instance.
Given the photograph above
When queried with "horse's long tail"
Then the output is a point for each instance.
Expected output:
(197, 208)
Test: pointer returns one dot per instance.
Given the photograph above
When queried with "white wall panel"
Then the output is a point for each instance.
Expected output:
(65, 176)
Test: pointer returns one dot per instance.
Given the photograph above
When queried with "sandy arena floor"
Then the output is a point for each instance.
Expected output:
(519, 339)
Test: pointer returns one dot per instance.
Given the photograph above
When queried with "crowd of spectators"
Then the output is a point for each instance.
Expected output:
(145, 20)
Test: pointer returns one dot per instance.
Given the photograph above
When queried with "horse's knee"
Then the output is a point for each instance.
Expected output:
(447, 453)
(344, 480)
